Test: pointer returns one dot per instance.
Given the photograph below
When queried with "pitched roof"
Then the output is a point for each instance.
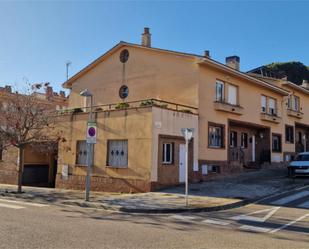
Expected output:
(201, 59)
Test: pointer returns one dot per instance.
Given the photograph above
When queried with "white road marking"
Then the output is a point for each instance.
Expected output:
(255, 229)
(24, 203)
(249, 217)
(183, 217)
(289, 224)
(290, 198)
(10, 206)
(216, 222)
(304, 205)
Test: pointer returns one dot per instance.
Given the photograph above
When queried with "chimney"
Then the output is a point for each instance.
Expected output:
(305, 84)
(146, 38)
(62, 94)
(233, 62)
(207, 54)
(49, 92)
(8, 89)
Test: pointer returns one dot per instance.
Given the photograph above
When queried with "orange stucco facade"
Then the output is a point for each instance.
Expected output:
(188, 80)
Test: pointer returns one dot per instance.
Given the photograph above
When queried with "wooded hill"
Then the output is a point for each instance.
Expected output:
(294, 70)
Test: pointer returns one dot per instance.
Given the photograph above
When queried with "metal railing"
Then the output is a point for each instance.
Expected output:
(134, 105)
(236, 154)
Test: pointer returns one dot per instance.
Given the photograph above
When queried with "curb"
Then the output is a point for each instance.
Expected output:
(159, 211)
(97, 205)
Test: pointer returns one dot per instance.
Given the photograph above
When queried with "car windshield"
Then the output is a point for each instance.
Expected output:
(302, 157)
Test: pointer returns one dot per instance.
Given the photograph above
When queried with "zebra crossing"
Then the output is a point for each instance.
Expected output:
(16, 204)
(268, 216)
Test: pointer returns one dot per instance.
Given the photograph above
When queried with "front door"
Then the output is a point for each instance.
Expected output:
(182, 163)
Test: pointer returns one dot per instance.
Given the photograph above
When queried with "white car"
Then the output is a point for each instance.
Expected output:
(300, 165)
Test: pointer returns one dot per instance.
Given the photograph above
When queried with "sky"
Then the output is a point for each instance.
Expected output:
(37, 38)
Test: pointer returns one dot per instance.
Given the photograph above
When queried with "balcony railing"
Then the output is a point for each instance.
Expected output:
(134, 105)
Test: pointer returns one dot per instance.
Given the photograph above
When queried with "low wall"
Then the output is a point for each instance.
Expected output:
(103, 184)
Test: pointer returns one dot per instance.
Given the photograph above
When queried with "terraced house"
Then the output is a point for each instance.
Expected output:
(143, 96)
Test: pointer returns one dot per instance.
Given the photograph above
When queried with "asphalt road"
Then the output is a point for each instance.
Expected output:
(279, 222)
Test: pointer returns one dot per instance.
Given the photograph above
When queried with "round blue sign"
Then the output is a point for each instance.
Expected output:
(91, 131)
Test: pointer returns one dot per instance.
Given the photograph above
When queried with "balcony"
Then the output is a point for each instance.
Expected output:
(226, 107)
(295, 114)
(271, 118)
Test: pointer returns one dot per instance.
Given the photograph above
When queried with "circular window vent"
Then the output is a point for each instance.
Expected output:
(123, 92)
(124, 56)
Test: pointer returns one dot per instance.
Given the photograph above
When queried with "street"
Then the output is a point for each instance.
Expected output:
(278, 222)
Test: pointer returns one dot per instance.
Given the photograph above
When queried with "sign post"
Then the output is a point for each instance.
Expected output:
(91, 140)
(187, 134)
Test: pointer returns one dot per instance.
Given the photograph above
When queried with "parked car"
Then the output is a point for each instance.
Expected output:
(300, 165)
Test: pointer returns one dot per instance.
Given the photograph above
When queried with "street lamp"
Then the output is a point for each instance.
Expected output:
(86, 93)
(187, 134)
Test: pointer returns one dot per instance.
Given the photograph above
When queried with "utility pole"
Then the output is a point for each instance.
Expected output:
(67, 64)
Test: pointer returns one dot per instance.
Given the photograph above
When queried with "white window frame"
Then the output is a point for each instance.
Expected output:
(233, 134)
(296, 105)
(244, 135)
(217, 140)
(221, 97)
(263, 104)
(272, 108)
(165, 154)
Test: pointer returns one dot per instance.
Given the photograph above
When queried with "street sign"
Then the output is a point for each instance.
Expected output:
(91, 132)
(187, 133)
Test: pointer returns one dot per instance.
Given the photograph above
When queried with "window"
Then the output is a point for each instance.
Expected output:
(294, 103)
(276, 142)
(117, 153)
(81, 152)
(232, 95)
(216, 136)
(244, 140)
(233, 139)
(289, 134)
(219, 91)
(271, 106)
(168, 153)
(302, 158)
(263, 103)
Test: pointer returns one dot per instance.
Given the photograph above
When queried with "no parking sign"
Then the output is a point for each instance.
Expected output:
(91, 133)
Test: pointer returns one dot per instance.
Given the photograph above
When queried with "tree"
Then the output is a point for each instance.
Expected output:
(25, 120)
(296, 72)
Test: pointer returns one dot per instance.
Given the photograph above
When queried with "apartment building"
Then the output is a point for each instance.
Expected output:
(142, 98)
(39, 167)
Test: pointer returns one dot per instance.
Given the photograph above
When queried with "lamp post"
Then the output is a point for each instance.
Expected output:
(187, 134)
(86, 93)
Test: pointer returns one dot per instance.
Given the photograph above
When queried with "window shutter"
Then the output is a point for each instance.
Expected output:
(232, 95)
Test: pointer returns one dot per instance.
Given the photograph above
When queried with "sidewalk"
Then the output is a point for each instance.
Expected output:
(154, 202)
(225, 193)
